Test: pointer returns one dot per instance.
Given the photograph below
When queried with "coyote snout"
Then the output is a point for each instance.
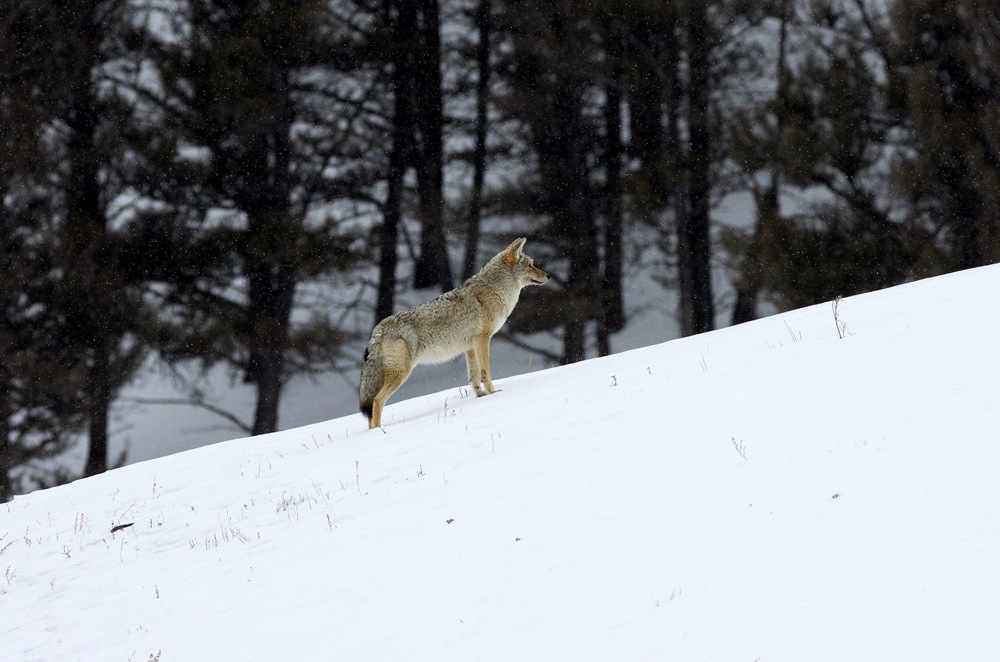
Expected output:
(460, 321)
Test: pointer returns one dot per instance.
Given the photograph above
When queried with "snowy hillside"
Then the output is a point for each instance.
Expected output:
(770, 491)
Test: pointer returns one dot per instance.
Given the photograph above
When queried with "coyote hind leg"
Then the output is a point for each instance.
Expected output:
(396, 367)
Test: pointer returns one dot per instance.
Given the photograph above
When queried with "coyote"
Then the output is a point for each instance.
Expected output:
(462, 320)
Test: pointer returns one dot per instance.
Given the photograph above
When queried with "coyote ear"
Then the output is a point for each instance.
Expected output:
(512, 253)
(516, 247)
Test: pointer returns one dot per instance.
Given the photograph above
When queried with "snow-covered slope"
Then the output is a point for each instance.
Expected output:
(770, 491)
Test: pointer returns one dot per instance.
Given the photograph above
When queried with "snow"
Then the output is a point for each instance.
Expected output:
(770, 491)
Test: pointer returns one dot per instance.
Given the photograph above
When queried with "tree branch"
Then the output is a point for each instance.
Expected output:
(195, 402)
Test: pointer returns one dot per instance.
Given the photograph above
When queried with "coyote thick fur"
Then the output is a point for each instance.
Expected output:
(460, 321)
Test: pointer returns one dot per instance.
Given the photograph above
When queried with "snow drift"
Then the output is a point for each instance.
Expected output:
(820, 485)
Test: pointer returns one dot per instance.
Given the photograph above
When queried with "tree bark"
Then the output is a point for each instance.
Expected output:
(612, 300)
(574, 337)
(6, 486)
(432, 268)
(963, 204)
(271, 294)
(694, 240)
(389, 230)
(270, 260)
(572, 198)
(749, 282)
(403, 20)
(271, 290)
(100, 396)
(647, 142)
(91, 265)
(472, 231)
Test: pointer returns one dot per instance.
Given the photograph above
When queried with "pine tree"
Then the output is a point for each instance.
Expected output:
(42, 377)
(834, 129)
(550, 72)
(62, 57)
(949, 59)
(252, 135)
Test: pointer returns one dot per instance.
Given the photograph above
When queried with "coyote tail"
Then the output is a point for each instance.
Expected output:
(371, 377)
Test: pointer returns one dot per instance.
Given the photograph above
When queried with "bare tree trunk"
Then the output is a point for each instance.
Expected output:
(693, 231)
(6, 486)
(479, 156)
(675, 155)
(432, 268)
(389, 230)
(750, 279)
(963, 204)
(572, 192)
(271, 294)
(613, 309)
(99, 395)
(403, 23)
(769, 204)
(574, 346)
(645, 114)
(271, 276)
(90, 283)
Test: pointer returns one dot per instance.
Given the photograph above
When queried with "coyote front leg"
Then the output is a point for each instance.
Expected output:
(392, 379)
(482, 350)
(475, 376)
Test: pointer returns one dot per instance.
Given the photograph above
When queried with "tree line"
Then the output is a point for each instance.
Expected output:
(237, 183)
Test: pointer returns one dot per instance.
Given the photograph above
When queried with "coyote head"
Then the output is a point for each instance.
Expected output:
(522, 266)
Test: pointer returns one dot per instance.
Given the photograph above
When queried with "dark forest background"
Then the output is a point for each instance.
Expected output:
(208, 183)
